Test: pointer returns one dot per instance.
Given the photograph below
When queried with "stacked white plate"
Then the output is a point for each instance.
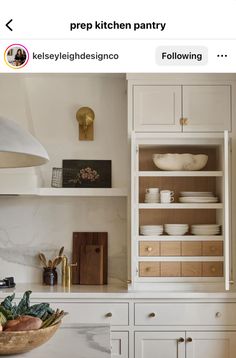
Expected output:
(197, 197)
(207, 230)
(176, 229)
(151, 230)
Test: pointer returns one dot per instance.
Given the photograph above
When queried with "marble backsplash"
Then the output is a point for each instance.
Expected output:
(29, 225)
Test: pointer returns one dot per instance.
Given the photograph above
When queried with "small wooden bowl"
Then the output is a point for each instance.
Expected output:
(25, 341)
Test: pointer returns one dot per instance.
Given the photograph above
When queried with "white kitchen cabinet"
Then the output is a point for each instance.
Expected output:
(207, 108)
(157, 108)
(210, 344)
(120, 344)
(160, 345)
(182, 108)
(185, 344)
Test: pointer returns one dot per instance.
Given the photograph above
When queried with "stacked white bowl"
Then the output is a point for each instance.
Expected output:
(176, 229)
(151, 230)
(152, 195)
(205, 229)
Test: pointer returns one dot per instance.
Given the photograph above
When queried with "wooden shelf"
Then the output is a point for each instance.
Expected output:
(180, 173)
(181, 206)
(181, 238)
(72, 192)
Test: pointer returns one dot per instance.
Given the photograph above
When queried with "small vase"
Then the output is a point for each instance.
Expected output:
(49, 276)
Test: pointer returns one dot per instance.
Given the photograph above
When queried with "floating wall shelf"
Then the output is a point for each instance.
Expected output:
(72, 192)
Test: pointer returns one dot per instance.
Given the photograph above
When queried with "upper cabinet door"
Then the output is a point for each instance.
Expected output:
(207, 108)
(157, 108)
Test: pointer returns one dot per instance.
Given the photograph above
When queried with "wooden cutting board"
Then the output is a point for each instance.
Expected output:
(91, 265)
(89, 238)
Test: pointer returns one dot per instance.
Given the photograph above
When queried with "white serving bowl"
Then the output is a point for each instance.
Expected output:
(177, 161)
(176, 229)
(173, 232)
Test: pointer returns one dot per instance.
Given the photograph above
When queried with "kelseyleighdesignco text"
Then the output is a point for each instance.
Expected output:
(74, 56)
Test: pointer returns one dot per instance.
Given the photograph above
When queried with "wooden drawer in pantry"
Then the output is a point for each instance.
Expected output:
(116, 314)
(179, 314)
(212, 248)
(159, 269)
(180, 269)
(149, 248)
(193, 248)
(212, 269)
(149, 269)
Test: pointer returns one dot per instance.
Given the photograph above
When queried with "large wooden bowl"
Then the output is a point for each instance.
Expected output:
(24, 341)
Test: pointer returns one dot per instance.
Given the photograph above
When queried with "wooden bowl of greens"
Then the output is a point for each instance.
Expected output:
(24, 327)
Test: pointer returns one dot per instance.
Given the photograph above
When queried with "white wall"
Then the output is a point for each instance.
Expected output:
(46, 105)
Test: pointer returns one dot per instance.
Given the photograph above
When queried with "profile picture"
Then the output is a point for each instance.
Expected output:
(16, 56)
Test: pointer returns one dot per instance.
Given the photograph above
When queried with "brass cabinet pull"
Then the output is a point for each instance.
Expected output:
(183, 121)
(181, 340)
(189, 340)
(109, 314)
(152, 314)
(149, 248)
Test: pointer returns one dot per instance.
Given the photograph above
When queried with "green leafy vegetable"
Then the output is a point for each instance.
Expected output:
(7, 303)
(10, 311)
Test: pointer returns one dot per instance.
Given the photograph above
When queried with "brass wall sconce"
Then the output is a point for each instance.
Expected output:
(85, 117)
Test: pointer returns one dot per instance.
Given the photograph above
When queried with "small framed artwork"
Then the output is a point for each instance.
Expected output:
(86, 173)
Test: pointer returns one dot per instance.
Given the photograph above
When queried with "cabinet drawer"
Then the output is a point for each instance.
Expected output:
(119, 344)
(212, 269)
(212, 248)
(149, 248)
(191, 248)
(171, 248)
(149, 269)
(116, 314)
(179, 314)
(191, 269)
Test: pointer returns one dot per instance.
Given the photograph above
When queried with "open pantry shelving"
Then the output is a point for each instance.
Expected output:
(188, 258)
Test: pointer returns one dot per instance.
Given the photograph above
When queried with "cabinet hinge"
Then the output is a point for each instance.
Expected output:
(136, 148)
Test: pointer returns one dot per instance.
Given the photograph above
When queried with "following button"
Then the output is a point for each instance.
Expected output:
(182, 55)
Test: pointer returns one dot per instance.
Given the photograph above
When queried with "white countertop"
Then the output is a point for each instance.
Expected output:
(76, 341)
(108, 292)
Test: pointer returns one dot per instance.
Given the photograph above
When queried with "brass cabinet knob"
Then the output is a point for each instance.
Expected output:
(183, 121)
(181, 340)
(213, 269)
(149, 248)
(189, 340)
(152, 314)
(218, 314)
(109, 314)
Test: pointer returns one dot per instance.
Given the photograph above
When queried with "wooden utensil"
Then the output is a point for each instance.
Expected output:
(43, 259)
